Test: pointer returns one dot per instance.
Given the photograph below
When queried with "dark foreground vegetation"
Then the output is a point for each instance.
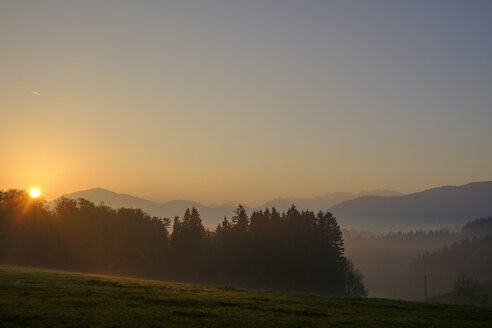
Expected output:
(479, 295)
(40, 298)
(297, 251)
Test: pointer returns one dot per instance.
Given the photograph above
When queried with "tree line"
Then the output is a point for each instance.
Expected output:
(393, 263)
(471, 257)
(294, 250)
(478, 228)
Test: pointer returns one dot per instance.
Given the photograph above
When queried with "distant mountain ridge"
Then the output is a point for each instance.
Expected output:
(324, 202)
(446, 206)
(379, 210)
(211, 216)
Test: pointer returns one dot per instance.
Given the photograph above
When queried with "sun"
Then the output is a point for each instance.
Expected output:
(34, 192)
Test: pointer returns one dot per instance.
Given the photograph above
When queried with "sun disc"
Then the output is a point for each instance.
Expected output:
(34, 192)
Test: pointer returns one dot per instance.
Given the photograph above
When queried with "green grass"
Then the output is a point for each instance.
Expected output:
(45, 298)
(483, 297)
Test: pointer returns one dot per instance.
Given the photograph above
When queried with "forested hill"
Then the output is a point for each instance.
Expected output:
(433, 208)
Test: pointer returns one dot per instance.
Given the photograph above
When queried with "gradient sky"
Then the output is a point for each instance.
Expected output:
(228, 101)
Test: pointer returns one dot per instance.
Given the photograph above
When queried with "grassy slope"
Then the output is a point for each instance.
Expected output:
(484, 296)
(43, 298)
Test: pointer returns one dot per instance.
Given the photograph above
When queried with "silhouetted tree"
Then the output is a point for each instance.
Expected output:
(478, 228)
(187, 241)
(465, 289)
(240, 220)
(292, 250)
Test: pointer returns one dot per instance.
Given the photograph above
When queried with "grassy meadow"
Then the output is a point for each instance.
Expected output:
(46, 298)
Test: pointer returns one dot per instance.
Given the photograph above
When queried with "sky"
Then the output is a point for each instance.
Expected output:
(244, 101)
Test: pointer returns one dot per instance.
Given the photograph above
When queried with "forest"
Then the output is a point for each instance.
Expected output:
(394, 263)
(294, 250)
(471, 257)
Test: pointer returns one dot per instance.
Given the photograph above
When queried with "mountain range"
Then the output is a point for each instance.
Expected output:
(212, 215)
(448, 206)
(379, 210)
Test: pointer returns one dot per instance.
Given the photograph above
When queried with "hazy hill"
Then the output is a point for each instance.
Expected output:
(472, 257)
(323, 203)
(377, 210)
(213, 215)
(210, 215)
(433, 208)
